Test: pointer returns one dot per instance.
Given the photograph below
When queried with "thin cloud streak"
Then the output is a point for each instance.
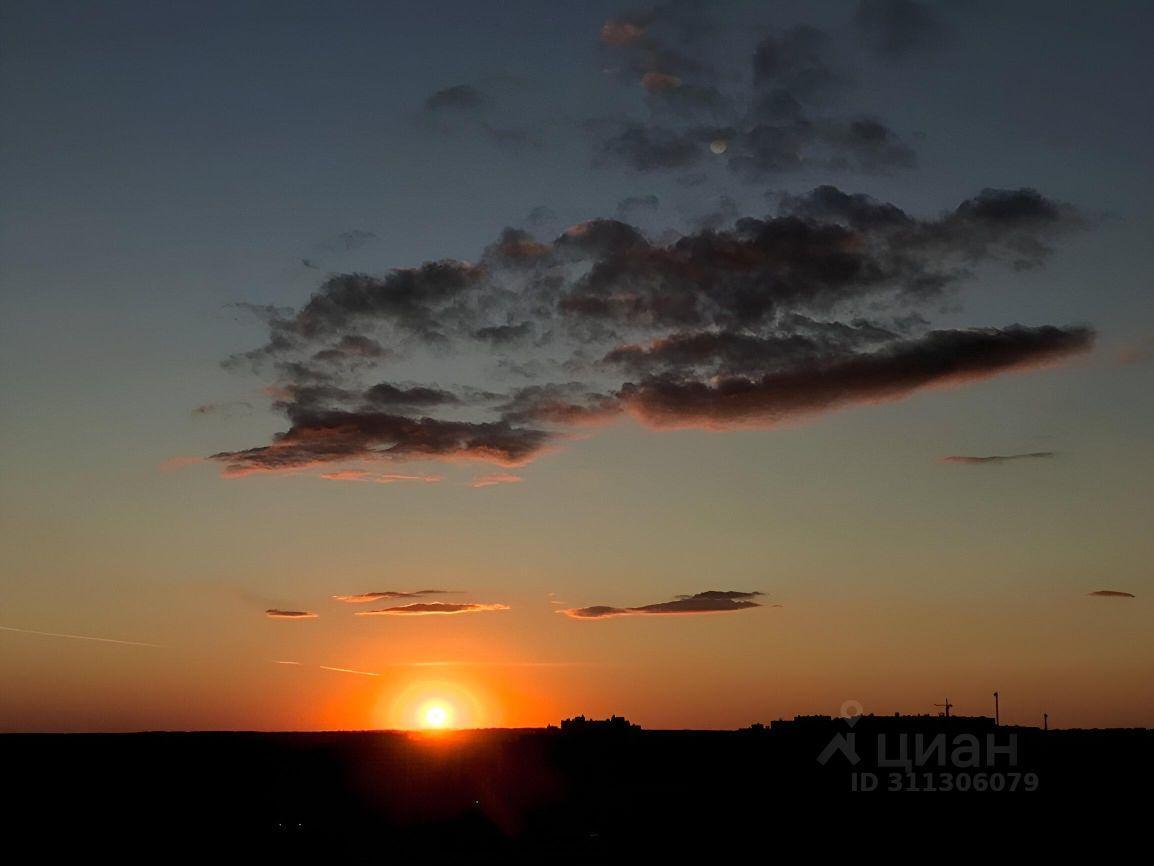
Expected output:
(435, 608)
(456, 664)
(997, 458)
(495, 479)
(378, 478)
(361, 598)
(81, 637)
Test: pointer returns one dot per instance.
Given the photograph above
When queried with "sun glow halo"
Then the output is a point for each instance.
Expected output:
(436, 716)
(431, 705)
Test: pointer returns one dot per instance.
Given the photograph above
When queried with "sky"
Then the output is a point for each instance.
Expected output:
(700, 363)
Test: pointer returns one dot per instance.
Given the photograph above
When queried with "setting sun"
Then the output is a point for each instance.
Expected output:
(436, 716)
(436, 705)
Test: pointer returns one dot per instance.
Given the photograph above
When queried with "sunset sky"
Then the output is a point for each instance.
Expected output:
(704, 363)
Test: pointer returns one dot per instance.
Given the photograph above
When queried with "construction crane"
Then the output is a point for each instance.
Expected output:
(947, 705)
(997, 713)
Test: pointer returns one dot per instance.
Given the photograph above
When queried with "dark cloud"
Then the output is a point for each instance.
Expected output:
(645, 148)
(601, 238)
(711, 601)
(350, 349)
(720, 217)
(745, 276)
(828, 203)
(458, 98)
(734, 352)
(811, 309)
(410, 296)
(562, 403)
(777, 115)
(504, 334)
(385, 395)
(896, 28)
(276, 613)
(364, 597)
(997, 458)
(780, 105)
(1112, 593)
(320, 438)
(432, 608)
(794, 63)
(941, 358)
(466, 109)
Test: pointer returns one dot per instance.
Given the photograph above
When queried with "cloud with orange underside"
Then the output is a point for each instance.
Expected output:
(377, 477)
(276, 613)
(434, 608)
(708, 602)
(941, 359)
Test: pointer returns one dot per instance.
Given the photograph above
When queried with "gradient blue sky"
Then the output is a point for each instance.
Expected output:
(162, 161)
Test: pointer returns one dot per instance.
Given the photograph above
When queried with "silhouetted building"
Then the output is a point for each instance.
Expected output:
(580, 724)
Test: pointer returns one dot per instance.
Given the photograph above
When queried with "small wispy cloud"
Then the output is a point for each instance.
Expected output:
(276, 613)
(379, 477)
(1112, 593)
(494, 479)
(997, 458)
(710, 601)
(433, 608)
(363, 597)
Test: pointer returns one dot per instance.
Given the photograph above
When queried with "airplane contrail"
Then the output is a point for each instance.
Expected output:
(348, 671)
(80, 637)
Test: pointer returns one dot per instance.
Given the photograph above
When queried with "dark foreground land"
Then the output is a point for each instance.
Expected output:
(551, 795)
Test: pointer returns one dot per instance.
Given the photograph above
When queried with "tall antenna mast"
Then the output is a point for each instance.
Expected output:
(1045, 721)
(997, 714)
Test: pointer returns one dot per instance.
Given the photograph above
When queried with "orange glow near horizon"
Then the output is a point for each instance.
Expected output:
(430, 705)
(437, 716)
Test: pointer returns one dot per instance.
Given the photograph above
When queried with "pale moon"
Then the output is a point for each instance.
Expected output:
(719, 146)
